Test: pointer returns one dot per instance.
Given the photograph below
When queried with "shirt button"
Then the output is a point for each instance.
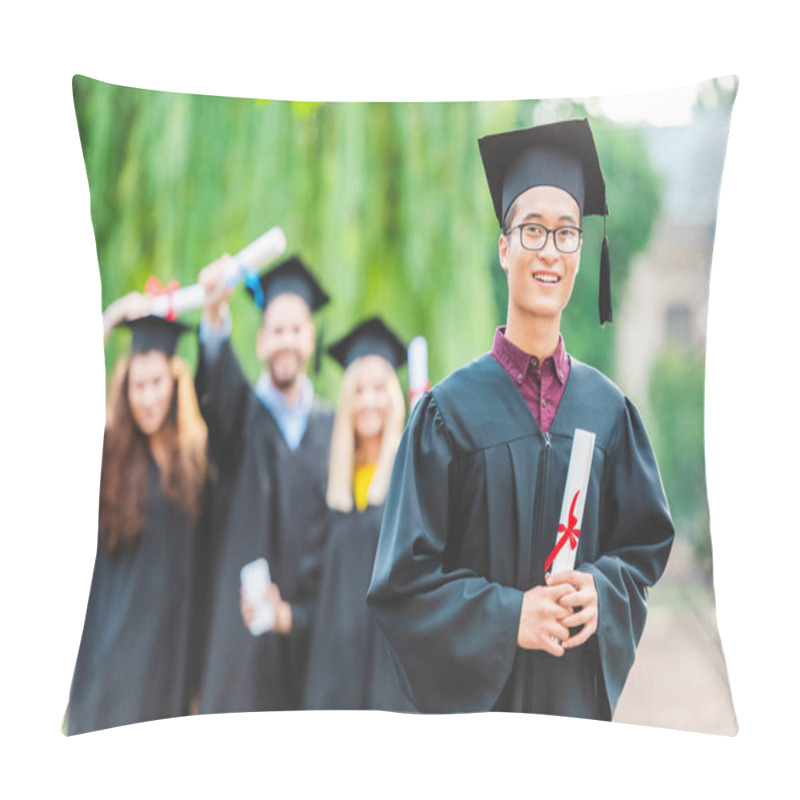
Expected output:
(520, 377)
(544, 403)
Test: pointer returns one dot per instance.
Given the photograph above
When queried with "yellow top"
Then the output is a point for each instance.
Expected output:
(362, 477)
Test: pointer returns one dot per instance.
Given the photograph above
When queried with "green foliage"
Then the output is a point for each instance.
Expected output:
(386, 202)
(632, 193)
(676, 394)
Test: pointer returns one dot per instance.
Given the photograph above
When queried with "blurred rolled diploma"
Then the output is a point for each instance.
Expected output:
(417, 370)
(256, 255)
(255, 579)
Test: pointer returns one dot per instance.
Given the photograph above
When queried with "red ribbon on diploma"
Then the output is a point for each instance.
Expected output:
(154, 288)
(414, 394)
(571, 534)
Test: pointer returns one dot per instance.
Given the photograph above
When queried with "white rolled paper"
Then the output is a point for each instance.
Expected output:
(255, 579)
(570, 521)
(256, 255)
(417, 370)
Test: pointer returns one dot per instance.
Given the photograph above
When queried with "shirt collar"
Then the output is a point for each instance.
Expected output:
(272, 398)
(517, 361)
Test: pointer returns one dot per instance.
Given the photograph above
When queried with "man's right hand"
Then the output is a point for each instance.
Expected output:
(212, 279)
(541, 619)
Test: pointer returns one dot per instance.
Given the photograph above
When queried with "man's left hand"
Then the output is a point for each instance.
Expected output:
(582, 601)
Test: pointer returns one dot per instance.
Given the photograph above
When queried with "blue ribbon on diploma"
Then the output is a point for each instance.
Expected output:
(253, 283)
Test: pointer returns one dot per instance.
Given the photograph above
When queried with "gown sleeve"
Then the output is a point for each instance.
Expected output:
(223, 392)
(636, 536)
(452, 634)
(305, 603)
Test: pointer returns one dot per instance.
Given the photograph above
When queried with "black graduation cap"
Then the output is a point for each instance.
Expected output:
(561, 154)
(155, 333)
(291, 275)
(371, 337)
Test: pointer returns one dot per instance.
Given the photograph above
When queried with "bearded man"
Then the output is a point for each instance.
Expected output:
(270, 444)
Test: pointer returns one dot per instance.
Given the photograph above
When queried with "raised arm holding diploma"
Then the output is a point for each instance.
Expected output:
(270, 442)
(171, 302)
(242, 267)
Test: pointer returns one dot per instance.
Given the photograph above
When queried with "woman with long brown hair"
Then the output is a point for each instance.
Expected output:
(132, 663)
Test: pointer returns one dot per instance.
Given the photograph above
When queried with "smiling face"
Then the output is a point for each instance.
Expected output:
(150, 388)
(286, 339)
(540, 282)
(370, 397)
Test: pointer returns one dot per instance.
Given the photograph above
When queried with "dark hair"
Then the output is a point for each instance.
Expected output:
(509, 215)
(512, 209)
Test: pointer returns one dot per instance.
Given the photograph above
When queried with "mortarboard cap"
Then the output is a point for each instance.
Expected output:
(561, 154)
(293, 276)
(155, 333)
(371, 337)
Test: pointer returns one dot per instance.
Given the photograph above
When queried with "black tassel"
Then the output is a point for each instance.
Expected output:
(604, 298)
(318, 352)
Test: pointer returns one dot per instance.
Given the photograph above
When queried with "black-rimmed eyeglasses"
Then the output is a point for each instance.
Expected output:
(532, 236)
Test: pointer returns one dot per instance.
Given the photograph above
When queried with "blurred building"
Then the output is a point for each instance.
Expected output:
(666, 297)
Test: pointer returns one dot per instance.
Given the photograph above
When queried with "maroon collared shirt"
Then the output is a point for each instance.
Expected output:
(540, 383)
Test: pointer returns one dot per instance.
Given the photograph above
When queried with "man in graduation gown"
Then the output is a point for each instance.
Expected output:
(270, 444)
(459, 585)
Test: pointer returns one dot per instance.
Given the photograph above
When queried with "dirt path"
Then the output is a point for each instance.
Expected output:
(679, 679)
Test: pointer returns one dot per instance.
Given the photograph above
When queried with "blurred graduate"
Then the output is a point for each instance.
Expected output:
(464, 586)
(349, 665)
(133, 661)
(270, 444)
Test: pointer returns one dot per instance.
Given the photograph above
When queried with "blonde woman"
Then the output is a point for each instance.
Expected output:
(349, 665)
(133, 658)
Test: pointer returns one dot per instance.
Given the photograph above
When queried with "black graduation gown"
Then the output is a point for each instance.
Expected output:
(349, 666)
(471, 516)
(257, 485)
(132, 660)
(301, 480)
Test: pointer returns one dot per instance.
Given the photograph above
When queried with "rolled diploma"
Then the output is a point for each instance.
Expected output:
(257, 254)
(580, 466)
(255, 579)
(417, 369)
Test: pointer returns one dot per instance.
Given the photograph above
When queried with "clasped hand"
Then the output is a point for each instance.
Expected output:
(568, 600)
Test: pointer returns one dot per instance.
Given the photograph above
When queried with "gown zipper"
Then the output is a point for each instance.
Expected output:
(536, 558)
